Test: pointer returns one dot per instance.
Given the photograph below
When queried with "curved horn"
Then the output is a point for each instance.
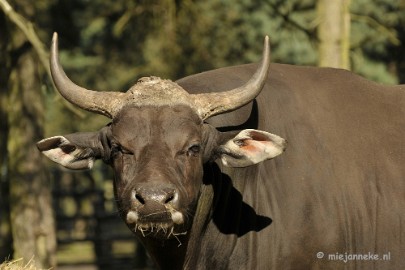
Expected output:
(105, 103)
(210, 104)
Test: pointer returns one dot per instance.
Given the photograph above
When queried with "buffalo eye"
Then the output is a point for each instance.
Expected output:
(117, 149)
(194, 150)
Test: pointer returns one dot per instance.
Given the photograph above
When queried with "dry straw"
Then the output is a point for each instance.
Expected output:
(18, 264)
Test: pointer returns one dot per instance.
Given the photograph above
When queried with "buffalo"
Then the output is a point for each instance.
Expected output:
(196, 181)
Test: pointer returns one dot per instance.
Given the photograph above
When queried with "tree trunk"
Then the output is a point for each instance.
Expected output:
(32, 218)
(334, 33)
(5, 226)
(31, 211)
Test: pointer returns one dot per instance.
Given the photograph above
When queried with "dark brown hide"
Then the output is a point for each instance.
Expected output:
(339, 188)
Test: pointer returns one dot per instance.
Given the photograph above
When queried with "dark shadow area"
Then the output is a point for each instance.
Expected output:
(231, 214)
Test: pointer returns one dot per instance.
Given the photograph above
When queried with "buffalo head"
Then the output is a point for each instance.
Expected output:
(158, 142)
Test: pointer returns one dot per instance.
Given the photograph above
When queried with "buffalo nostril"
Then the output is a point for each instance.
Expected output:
(139, 198)
(170, 197)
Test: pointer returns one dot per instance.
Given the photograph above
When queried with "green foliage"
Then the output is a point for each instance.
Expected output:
(110, 44)
(375, 39)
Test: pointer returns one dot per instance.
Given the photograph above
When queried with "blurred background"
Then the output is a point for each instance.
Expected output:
(69, 219)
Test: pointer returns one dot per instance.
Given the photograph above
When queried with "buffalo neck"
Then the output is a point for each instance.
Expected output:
(168, 254)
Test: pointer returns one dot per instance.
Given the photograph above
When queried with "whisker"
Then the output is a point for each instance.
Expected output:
(142, 231)
(154, 213)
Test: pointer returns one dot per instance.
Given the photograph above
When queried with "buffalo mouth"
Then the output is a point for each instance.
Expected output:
(164, 224)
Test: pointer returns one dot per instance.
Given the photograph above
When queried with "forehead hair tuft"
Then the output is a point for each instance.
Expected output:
(154, 91)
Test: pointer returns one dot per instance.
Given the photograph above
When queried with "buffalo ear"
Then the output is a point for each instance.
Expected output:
(60, 150)
(251, 146)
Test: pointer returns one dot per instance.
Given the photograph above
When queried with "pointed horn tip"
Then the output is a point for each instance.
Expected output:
(55, 38)
(266, 41)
